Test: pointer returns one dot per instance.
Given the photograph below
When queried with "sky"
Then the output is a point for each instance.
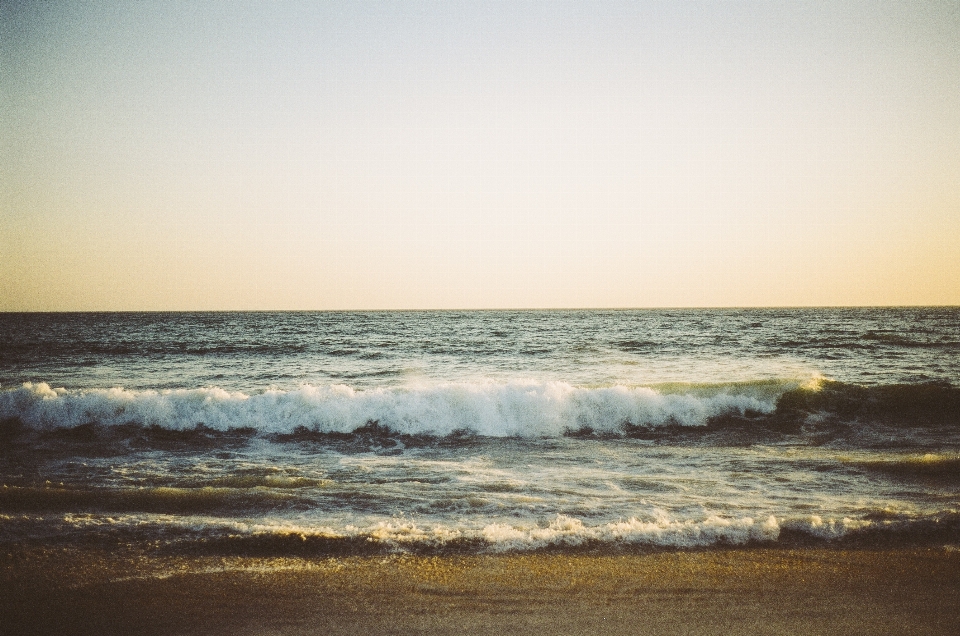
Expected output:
(401, 155)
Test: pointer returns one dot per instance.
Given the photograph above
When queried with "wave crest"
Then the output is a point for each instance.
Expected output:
(520, 409)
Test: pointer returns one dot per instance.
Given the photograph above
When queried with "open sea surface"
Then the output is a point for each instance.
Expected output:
(480, 431)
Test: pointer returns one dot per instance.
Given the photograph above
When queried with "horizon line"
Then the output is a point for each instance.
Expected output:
(471, 309)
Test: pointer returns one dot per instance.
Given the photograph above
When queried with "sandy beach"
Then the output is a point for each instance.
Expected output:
(735, 591)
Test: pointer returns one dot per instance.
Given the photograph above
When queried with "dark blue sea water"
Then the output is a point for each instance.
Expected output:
(481, 431)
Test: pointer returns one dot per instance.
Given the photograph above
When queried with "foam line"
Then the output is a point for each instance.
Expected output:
(526, 409)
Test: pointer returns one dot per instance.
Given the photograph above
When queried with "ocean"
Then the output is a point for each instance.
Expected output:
(475, 432)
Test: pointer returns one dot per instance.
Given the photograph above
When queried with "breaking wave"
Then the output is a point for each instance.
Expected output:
(515, 409)
(521, 409)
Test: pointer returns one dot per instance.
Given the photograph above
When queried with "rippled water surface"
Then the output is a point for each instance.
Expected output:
(481, 430)
(250, 351)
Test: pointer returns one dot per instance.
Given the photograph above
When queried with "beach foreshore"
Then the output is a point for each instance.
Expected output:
(726, 591)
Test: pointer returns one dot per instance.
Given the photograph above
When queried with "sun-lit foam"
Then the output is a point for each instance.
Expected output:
(663, 531)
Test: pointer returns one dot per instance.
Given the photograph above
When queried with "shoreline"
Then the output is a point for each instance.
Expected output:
(726, 591)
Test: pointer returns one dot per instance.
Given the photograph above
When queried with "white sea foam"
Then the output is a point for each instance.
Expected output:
(521, 408)
(821, 528)
(562, 531)
(494, 536)
(663, 531)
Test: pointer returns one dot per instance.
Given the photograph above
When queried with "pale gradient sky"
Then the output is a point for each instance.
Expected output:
(360, 155)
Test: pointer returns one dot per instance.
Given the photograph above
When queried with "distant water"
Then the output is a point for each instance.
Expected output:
(480, 431)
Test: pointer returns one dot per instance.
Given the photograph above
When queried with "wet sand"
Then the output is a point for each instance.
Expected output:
(735, 591)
